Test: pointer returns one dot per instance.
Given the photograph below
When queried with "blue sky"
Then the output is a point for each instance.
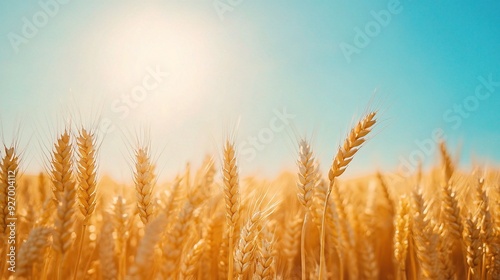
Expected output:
(210, 65)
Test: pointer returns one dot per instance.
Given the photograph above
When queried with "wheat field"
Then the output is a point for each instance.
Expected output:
(211, 222)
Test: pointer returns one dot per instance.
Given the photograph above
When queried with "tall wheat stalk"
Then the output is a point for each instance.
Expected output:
(65, 193)
(344, 156)
(33, 250)
(246, 245)
(308, 176)
(121, 222)
(402, 235)
(9, 169)
(232, 199)
(87, 184)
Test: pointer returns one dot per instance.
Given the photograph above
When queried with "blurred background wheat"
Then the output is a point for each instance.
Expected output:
(208, 222)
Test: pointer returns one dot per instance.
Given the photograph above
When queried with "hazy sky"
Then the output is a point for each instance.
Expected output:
(192, 70)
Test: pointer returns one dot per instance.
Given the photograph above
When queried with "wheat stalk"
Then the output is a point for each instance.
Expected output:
(425, 240)
(265, 261)
(333, 238)
(387, 194)
(351, 145)
(64, 191)
(231, 197)
(243, 256)
(486, 224)
(369, 261)
(291, 240)
(444, 252)
(46, 217)
(401, 233)
(8, 168)
(474, 247)
(307, 174)
(450, 213)
(62, 165)
(87, 174)
(189, 264)
(144, 179)
(307, 179)
(64, 222)
(87, 184)
(175, 238)
(106, 250)
(344, 156)
(121, 223)
(222, 264)
(42, 187)
(174, 196)
(145, 251)
(447, 163)
(33, 250)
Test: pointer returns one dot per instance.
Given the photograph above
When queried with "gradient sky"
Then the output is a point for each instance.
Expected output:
(240, 65)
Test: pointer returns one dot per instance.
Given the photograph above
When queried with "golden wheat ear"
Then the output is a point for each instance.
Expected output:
(42, 188)
(174, 241)
(386, 193)
(351, 145)
(121, 223)
(87, 173)
(190, 262)
(231, 184)
(33, 250)
(64, 190)
(308, 177)
(402, 233)
(87, 184)
(144, 178)
(424, 237)
(62, 165)
(307, 174)
(447, 162)
(264, 269)
(244, 254)
(145, 251)
(107, 250)
(8, 173)
(291, 241)
(64, 222)
(472, 242)
(231, 197)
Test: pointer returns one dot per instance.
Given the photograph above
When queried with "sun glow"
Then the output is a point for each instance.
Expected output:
(134, 49)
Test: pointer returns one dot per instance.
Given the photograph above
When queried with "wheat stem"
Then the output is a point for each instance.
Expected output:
(303, 246)
(79, 254)
(344, 156)
(232, 198)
